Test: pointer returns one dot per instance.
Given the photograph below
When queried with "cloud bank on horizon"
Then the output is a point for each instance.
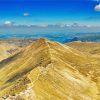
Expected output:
(9, 23)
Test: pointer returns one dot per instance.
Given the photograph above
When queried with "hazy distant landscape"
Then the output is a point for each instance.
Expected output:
(54, 32)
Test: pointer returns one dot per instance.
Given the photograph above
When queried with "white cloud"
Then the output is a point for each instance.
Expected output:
(26, 14)
(96, 0)
(9, 23)
(97, 8)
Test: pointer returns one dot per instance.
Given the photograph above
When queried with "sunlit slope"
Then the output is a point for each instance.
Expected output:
(6, 50)
(59, 80)
(92, 49)
(61, 83)
(49, 71)
(86, 47)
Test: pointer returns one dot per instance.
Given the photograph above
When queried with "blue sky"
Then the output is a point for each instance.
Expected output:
(50, 11)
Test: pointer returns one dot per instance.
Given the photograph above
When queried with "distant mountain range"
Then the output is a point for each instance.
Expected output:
(58, 32)
(60, 37)
(55, 36)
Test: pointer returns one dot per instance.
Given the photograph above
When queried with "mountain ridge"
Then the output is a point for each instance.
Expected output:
(49, 68)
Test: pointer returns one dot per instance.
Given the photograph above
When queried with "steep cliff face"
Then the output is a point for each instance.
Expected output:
(47, 70)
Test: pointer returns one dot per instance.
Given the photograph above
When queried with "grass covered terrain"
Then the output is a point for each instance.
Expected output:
(47, 70)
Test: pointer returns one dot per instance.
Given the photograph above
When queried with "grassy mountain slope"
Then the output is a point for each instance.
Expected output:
(46, 70)
(7, 50)
(86, 47)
